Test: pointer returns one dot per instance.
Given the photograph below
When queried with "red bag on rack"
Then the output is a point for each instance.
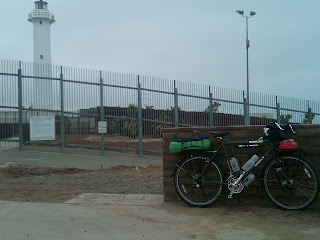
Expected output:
(288, 145)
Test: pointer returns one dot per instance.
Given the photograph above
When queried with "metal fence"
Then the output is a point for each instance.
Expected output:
(135, 107)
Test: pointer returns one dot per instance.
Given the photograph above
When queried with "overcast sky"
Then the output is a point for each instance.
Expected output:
(194, 41)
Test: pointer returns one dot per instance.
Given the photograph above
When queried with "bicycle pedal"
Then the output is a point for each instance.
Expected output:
(230, 196)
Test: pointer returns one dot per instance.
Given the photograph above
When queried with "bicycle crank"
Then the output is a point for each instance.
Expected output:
(234, 188)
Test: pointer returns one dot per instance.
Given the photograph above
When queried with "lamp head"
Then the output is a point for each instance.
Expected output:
(241, 12)
(252, 13)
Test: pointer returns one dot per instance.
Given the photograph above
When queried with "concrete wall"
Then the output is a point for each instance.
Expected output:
(308, 137)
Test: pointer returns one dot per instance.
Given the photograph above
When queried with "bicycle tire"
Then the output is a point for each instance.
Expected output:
(192, 187)
(297, 189)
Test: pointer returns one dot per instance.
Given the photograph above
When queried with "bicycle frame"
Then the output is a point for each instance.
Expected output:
(241, 144)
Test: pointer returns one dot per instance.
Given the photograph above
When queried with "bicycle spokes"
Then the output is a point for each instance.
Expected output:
(198, 187)
(294, 186)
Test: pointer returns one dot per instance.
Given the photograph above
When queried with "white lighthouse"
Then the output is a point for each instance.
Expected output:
(42, 88)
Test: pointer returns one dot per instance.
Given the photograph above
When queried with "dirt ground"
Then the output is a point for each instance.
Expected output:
(227, 219)
(35, 184)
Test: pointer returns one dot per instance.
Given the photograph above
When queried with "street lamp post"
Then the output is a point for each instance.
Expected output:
(241, 12)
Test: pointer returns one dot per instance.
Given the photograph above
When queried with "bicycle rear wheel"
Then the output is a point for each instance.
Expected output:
(291, 184)
(196, 187)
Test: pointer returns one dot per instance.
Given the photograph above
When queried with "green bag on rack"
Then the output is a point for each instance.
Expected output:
(200, 144)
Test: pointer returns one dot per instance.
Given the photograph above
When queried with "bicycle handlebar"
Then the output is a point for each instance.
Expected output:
(278, 125)
(292, 128)
(285, 127)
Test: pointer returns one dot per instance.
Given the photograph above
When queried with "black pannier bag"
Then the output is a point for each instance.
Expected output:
(275, 134)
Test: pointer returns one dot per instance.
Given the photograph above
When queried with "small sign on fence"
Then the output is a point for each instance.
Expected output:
(42, 128)
(102, 127)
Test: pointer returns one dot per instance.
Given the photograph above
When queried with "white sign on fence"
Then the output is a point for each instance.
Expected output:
(102, 127)
(42, 128)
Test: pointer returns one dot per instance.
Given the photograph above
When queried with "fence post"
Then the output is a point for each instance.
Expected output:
(309, 115)
(245, 112)
(210, 108)
(248, 112)
(140, 119)
(176, 106)
(62, 113)
(278, 113)
(101, 112)
(20, 107)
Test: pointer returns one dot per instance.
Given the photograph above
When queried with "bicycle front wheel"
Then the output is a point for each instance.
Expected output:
(292, 184)
(199, 182)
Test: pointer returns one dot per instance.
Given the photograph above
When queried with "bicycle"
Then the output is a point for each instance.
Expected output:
(289, 179)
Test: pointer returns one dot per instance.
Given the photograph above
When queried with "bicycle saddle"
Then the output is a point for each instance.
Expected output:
(220, 133)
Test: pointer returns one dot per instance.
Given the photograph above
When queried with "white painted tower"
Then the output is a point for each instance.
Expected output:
(42, 88)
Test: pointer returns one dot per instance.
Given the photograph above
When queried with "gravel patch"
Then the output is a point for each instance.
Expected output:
(59, 185)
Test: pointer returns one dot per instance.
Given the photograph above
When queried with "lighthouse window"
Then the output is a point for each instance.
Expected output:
(40, 22)
(41, 56)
